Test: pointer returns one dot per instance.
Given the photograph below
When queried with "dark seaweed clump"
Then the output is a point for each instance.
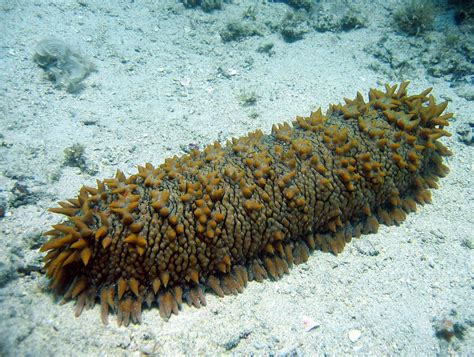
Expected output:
(294, 25)
(74, 156)
(415, 17)
(237, 30)
(206, 5)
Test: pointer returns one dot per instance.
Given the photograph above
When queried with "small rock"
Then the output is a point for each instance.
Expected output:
(233, 341)
(466, 133)
(465, 91)
(310, 324)
(289, 351)
(3, 203)
(366, 247)
(21, 195)
(447, 329)
(147, 349)
(227, 72)
(354, 335)
(468, 243)
(259, 345)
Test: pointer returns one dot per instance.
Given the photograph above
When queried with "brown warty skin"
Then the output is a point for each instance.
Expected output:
(218, 218)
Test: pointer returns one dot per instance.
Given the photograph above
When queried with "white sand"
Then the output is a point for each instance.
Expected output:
(158, 88)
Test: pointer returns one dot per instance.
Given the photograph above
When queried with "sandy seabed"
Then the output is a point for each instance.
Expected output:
(165, 81)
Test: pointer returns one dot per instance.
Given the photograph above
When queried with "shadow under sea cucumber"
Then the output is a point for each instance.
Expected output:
(218, 218)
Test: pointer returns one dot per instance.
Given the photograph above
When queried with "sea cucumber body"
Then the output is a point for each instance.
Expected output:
(247, 210)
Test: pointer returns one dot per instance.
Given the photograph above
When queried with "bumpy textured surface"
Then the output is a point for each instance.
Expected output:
(217, 218)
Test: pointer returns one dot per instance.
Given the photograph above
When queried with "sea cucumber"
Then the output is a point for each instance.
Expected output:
(247, 210)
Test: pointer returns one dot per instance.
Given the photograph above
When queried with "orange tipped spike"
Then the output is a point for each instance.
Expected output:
(101, 232)
(156, 285)
(194, 276)
(165, 278)
(132, 239)
(66, 211)
(81, 243)
(122, 286)
(104, 298)
(58, 242)
(134, 286)
(86, 255)
(165, 302)
(71, 259)
(106, 242)
(79, 287)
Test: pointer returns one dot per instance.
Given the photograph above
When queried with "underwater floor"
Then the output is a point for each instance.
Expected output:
(91, 87)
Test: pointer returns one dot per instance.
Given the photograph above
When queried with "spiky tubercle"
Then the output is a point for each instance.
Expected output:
(217, 218)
